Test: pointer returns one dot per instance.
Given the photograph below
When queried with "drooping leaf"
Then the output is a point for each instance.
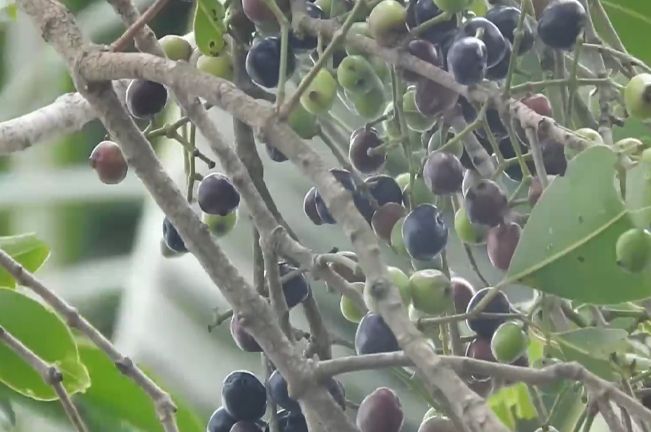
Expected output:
(118, 395)
(567, 247)
(631, 18)
(208, 26)
(30, 251)
(47, 336)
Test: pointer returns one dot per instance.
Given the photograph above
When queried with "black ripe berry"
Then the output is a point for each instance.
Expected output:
(297, 288)
(244, 396)
(467, 60)
(275, 154)
(486, 203)
(381, 411)
(263, 62)
(374, 336)
(172, 238)
(384, 189)
(506, 20)
(243, 338)
(306, 42)
(309, 207)
(278, 392)
(561, 23)
(290, 421)
(145, 98)
(424, 232)
(501, 70)
(485, 327)
(217, 195)
(108, 162)
(425, 51)
(553, 157)
(361, 142)
(220, 421)
(492, 38)
(443, 173)
(424, 10)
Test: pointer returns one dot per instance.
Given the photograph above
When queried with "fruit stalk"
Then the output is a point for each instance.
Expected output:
(536, 151)
(138, 25)
(456, 205)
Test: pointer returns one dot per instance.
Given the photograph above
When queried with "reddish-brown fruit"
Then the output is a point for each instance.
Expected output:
(462, 292)
(501, 242)
(380, 411)
(480, 349)
(385, 218)
(443, 173)
(535, 190)
(108, 162)
(242, 338)
(361, 142)
(538, 103)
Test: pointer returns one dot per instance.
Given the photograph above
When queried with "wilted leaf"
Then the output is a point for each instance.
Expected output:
(28, 250)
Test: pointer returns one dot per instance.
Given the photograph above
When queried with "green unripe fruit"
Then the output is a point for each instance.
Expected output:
(431, 291)
(387, 22)
(397, 244)
(403, 180)
(303, 122)
(591, 135)
(633, 250)
(468, 232)
(220, 66)
(509, 342)
(401, 280)
(356, 74)
(176, 48)
(320, 94)
(381, 68)
(367, 105)
(646, 156)
(452, 6)
(219, 226)
(349, 310)
(421, 193)
(637, 96)
(630, 145)
(358, 28)
(415, 120)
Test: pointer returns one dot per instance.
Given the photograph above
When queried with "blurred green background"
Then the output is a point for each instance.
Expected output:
(105, 239)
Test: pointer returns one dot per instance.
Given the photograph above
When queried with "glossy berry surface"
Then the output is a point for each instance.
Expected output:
(462, 293)
(309, 207)
(297, 288)
(443, 173)
(243, 338)
(501, 242)
(145, 98)
(492, 38)
(172, 238)
(501, 70)
(217, 195)
(633, 250)
(385, 218)
(432, 99)
(384, 189)
(358, 153)
(486, 203)
(424, 50)
(306, 42)
(424, 232)
(467, 60)
(381, 411)
(424, 10)
(561, 22)
(506, 20)
(374, 336)
(485, 327)
(220, 421)
(290, 421)
(108, 162)
(263, 62)
(244, 396)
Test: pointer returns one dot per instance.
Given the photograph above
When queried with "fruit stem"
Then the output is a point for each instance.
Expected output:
(518, 34)
(193, 166)
(572, 84)
(339, 259)
(397, 95)
(416, 31)
(282, 74)
(138, 25)
(533, 86)
(280, 16)
(515, 144)
(469, 128)
(627, 58)
(523, 183)
(536, 151)
(190, 147)
(340, 35)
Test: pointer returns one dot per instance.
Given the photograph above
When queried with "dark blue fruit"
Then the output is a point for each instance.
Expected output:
(309, 207)
(424, 10)
(501, 70)
(506, 20)
(486, 203)
(297, 288)
(443, 173)
(384, 189)
(485, 327)
(145, 98)
(306, 42)
(263, 62)
(560, 24)
(244, 396)
(172, 238)
(467, 60)
(217, 195)
(275, 154)
(374, 336)
(277, 389)
(346, 179)
(220, 421)
(492, 38)
(424, 232)
(290, 421)
(247, 426)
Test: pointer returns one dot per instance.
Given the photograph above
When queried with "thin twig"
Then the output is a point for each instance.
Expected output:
(133, 29)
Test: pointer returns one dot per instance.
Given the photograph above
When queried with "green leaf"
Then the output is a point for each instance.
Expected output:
(118, 395)
(592, 347)
(511, 403)
(567, 247)
(30, 251)
(209, 27)
(631, 19)
(47, 336)
(638, 193)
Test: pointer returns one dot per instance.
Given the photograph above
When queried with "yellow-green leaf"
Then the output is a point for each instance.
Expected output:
(43, 332)
(208, 26)
(30, 251)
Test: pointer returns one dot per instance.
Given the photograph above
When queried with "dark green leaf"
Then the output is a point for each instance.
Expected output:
(209, 27)
(568, 245)
(118, 395)
(45, 334)
(632, 20)
(28, 250)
